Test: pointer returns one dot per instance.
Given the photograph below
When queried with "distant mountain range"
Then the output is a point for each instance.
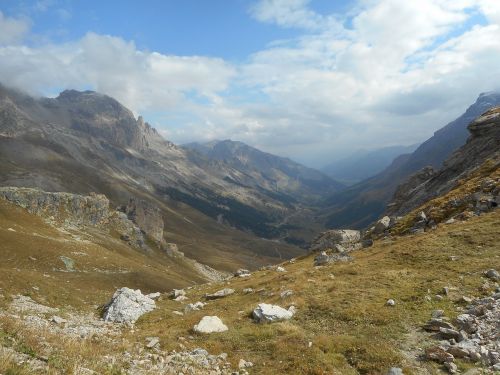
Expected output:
(362, 203)
(271, 172)
(364, 164)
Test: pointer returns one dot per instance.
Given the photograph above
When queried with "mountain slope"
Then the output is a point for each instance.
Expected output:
(271, 172)
(479, 157)
(85, 142)
(364, 202)
(364, 164)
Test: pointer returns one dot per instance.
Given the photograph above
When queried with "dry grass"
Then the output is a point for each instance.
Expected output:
(341, 307)
(344, 315)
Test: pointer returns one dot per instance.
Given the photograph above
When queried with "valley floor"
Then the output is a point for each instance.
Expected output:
(342, 325)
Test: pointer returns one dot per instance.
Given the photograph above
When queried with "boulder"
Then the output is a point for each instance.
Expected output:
(390, 302)
(324, 258)
(395, 371)
(382, 225)
(177, 293)
(127, 305)
(210, 324)
(492, 274)
(242, 273)
(348, 239)
(220, 294)
(438, 354)
(194, 307)
(266, 313)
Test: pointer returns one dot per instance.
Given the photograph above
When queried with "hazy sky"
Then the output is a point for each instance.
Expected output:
(312, 80)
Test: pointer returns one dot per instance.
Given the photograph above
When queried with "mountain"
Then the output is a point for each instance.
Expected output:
(83, 142)
(364, 202)
(268, 171)
(364, 164)
(479, 158)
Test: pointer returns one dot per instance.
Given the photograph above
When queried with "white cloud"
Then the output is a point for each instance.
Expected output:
(140, 80)
(396, 73)
(13, 30)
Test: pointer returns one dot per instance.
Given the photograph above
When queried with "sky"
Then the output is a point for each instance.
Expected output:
(313, 80)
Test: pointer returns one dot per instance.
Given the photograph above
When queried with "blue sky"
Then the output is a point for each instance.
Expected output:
(308, 79)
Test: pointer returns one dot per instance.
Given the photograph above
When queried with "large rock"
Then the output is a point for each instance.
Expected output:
(324, 258)
(382, 225)
(127, 305)
(329, 240)
(210, 324)
(266, 313)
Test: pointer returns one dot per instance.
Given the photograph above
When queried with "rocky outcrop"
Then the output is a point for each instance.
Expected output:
(339, 240)
(482, 151)
(147, 217)
(69, 208)
(127, 305)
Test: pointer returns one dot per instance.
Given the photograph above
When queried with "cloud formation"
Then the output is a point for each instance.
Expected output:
(388, 72)
(12, 30)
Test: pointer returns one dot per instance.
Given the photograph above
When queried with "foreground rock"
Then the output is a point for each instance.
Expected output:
(127, 305)
(210, 324)
(324, 258)
(266, 313)
(339, 240)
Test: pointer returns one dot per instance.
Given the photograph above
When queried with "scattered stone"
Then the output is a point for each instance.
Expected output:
(151, 342)
(266, 313)
(395, 371)
(492, 274)
(324, 258)
(434, 325)
(438, 297)
(280, 269)
(179, 313)
(68, 263)
(154, 296)
(220, 294)
(437, 314)
(448, 334)
(180, 298)
(177, 293)
(451, 367)
(194, 307)
(242, 273)
(286, 294)
(247, 290)
(390, 302)
(438, 354)
(127, 305)
(450, 221)
(210, 324)
(58, 320)
(244, 364)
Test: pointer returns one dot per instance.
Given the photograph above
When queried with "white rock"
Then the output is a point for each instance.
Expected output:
(390, 302)
(194, 306)
(152, 342)
(127, 305)
(271, 313)
(382, 225)
(177, 293)
(154, 296)
(280, 269)
(395, 371)
(180, 298)
(286, 293)
(210, 324)
(58, 320)
(244, 364)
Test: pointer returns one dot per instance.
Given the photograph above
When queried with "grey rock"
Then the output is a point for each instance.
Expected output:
(266, 313)
(492, 274)
(348, 239)
(127, 305)
(395, 371)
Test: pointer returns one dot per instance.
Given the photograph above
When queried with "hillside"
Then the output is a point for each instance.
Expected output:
(361, 204)
(268, 171)
(83, 142)
(342, 324)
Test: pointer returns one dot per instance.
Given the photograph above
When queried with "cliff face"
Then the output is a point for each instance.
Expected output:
(483, 146)
(65, 207)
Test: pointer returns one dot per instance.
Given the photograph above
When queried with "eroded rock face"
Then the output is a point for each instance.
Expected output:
(347, 239)
(70, 208)
(266, 313)
(147, 217)
(127, 305)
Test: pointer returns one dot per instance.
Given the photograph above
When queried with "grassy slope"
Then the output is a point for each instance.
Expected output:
(31, 259)
(342, 306)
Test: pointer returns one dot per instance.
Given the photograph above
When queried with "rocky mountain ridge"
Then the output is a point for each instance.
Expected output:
(363, 203)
